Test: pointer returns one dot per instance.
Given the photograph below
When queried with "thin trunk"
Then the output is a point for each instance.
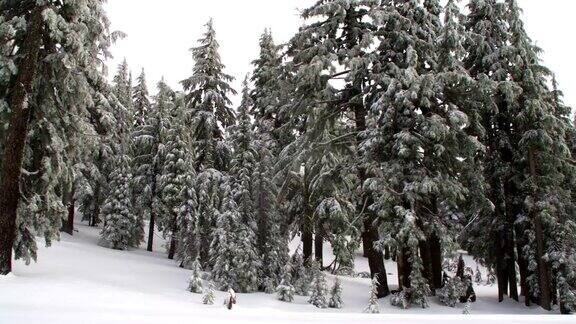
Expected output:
(172, 249)
(319, 245)
(543, 271)
(404, 268)
(151, 228)
(71, 212)
(16, 138)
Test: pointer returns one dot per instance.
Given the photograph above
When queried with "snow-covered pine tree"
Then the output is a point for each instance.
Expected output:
(319, 291)
(285, 291)
(177, 200)
(195, 281)
(208, 298)
(417, 139)
(336, 295)
(478, 275)
(233, 254)
(300, 276)
(335, 46)
(373, 306)
(271, 134)
(64, 48)
(208, 111)
(118, 231)
(144, 141)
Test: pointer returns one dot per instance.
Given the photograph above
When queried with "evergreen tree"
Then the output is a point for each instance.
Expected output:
(319, 288)
(373, 306)
(53, 65)
(208, 298)
(285, 291)
(118, 231)
(177, 200)
(236, 263)
(195, 281)
(336, 295)
(208, 111)
(144, 149)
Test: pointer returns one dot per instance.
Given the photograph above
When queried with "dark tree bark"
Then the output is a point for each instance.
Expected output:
(426, 256)
(71, 212)
(436, 255)
(172, 248)
(16, 137)
(461, 266)
(151, 227)
(404, 268)
(319, 245)
(387, 255)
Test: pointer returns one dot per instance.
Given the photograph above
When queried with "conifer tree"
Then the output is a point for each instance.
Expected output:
(336, 295)
(75, 39)
(118, 231)
(285, 291)
(208, 298)
(236, 263)
(319, 289)
(144, 141)
(195, 281)
(177, 200)
(208, 111)
(373, 306)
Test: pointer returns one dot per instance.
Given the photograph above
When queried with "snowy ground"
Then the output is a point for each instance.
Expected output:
(76, 281)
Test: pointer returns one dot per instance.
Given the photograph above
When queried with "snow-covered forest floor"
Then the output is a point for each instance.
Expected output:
(77, 281)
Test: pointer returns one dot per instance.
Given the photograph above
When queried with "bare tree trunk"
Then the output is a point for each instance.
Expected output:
(319, 245)
(71, 212)
(16, 138)
(151, 232)
(172, 249)
(436, 255)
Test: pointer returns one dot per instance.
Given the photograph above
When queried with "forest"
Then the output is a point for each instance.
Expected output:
(409, 131)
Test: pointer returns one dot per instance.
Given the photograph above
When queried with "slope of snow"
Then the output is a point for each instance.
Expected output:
(77, 281)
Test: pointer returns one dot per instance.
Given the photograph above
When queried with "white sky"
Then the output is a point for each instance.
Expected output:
(160, 33)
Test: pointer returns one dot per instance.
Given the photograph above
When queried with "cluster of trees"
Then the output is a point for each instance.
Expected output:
(404, 127)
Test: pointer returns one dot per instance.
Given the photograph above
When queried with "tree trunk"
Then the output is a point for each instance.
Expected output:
(307, 242)
(172, 249)
(370, 234)
(436, 254)
(71, 212)
(16, 138)
(151, 232)
(319, 245)
(404, 268)
(523, 266)
(543, 271)
(426, 257)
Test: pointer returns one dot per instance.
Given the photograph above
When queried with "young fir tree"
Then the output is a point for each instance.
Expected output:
(285, 291)
(373, 306)
(118, 231)
(234, 257)
(195, 281)
(319, 289)
(64, 45)
(144, 141)
(336, 295)
(208, 298)
(177, 200)
(208, 112)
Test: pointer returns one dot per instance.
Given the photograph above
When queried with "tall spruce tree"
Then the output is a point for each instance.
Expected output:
(209, 113)
(144, 146)
(335, 46)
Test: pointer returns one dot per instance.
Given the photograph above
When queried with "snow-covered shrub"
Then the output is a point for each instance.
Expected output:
(195, 281)
(478, 275)
(399, 299)
(373, 307)
(208, 298)
(285, 291)
(336, 295)
(319, 288)
(452, 291)
(269, 286)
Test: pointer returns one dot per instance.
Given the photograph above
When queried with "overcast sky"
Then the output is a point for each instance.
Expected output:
(160, 33)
